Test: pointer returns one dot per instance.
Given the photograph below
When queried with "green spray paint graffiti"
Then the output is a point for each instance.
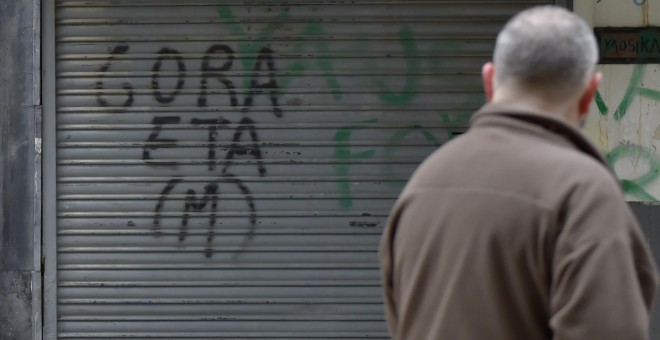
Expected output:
(249, 46)
(311, 38)
(314, 34)
(635, 187)
(343, 152)
(395, 140)
(633, 90)
(406, 96)
(345, 156)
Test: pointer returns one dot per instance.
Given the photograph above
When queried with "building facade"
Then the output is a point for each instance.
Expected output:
(223, 169)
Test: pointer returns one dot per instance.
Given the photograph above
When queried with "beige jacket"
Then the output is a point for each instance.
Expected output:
(516, 230)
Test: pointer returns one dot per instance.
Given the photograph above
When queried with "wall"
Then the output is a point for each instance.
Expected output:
(632, 97)
(257, 148)
(625, 120)
(625, 123)
(19, 185)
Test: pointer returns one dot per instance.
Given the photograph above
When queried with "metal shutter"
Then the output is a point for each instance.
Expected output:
(225, 168)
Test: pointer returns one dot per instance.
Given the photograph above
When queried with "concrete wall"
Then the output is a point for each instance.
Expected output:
(626, 124)
(20, 275)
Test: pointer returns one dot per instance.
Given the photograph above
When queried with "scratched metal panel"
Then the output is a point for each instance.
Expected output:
(225, 168)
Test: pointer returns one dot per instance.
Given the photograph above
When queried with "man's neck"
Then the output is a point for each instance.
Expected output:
(557, 108)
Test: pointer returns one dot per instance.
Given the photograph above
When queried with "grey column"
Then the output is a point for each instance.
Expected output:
(20, 177)
(649, 218)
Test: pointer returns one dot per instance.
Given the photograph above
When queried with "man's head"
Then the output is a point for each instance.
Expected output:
(545, 56)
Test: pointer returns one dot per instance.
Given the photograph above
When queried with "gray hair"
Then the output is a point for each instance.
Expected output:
(546, 46)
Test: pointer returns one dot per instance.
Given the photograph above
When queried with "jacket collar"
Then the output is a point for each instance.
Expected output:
(520, 116)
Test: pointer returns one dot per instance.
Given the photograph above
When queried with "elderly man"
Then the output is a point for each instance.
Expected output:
(518, 229)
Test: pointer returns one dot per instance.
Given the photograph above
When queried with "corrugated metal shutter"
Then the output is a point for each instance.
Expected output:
(225, 168)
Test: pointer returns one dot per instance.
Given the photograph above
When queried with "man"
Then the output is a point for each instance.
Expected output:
(518, 229)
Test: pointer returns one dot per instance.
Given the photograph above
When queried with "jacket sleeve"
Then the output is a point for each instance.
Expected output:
(603, 277)
(386, 254)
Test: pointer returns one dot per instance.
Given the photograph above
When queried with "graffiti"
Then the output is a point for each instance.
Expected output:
(121, 49)
(155, 84)
(150, 145)
(212, 125)
(243, 137)
(237, 149)
(263, 62)
(406, 96)
(343, 152)
(192, 203)
(635, 153)
(251, 42)
(217, 60)
(453, 124)
(295, 69)
(633, 90)
(637, 186)
(216, 82)
(397, 137)
(155, 142)
(346, 156)
(211, 192)
(314, 32)
(208, 71)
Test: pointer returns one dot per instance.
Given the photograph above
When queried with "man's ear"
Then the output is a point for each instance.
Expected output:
(589, 93)
(488, 76)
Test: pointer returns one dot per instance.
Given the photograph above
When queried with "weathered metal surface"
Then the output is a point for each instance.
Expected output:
(225, 168)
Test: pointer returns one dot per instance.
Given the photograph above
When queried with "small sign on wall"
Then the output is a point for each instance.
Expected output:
(628, 45)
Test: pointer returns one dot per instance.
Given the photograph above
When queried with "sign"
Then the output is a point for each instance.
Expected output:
(628, 45)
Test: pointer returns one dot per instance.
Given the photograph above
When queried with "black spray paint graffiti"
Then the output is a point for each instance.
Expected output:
(209, 71)
(243, 137)
(121, 49)
(212, 191)
(212, 126)
(193, 203)
(238, 147)
(216, 53)
(155, 84)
